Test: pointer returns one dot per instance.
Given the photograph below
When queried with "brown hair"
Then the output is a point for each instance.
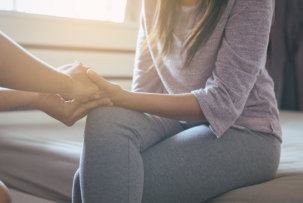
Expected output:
(165, 19)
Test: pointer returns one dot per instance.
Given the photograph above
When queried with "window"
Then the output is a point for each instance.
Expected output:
(106, 10)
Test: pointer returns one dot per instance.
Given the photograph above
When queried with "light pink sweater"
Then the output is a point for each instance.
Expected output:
(227, 74)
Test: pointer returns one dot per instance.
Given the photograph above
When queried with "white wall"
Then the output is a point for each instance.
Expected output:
(107, 47)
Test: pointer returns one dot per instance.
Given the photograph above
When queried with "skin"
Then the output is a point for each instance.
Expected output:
(40, 86)
(22, 71)
(66, 111)
(4, 194)
(178, 106)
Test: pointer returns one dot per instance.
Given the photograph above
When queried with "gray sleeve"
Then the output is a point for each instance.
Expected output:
(240, 58)
(145, 76)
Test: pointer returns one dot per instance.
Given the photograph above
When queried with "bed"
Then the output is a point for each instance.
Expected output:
(39, 156)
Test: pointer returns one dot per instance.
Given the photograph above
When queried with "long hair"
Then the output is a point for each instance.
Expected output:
(165, 19)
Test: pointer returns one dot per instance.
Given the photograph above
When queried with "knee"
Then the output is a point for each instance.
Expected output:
(107, 116)
(4, 194)
(110, 125)
(104, 116)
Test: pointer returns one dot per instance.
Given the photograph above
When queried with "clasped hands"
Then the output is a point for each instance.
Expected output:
(85, 90)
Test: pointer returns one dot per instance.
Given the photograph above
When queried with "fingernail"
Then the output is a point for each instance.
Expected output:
(90, 71)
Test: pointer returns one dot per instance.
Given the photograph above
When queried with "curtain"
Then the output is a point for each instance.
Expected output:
(286, 67)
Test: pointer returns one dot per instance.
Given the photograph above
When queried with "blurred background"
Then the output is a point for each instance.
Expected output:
(104, 10)
(100, 33)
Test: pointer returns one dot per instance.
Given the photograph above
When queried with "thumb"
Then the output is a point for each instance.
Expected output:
(94, 77)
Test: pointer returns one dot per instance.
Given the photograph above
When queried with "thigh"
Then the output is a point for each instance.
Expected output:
(111, 166)
(142, 129)
(194, 165)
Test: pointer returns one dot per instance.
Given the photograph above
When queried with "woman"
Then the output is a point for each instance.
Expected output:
(202, 118)
(40, 86)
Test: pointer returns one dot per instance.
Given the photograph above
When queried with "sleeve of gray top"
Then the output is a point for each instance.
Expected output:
(145, 76)
(240, 58)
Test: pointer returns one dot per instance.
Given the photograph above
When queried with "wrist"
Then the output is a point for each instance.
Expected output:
(120, 98)
(33, 101)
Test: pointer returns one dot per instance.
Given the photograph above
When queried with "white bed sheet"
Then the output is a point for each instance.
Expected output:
(41, 155)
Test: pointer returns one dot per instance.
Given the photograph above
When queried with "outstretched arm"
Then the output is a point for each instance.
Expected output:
(179, 106)
(22, 71)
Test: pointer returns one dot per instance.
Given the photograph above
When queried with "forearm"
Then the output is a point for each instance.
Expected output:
(180, 106)
(21, 70)
(17, 99)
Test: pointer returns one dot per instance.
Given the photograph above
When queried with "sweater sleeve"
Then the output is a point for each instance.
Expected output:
(145, 76)
(240, 58)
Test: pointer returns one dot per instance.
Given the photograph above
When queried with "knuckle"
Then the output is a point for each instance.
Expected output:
(69, 123)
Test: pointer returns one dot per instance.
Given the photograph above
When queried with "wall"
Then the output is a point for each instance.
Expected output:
(107, 47)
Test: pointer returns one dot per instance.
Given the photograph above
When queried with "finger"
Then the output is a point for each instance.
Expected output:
(72, 122)
(82, 100)
(66, 98)
(80, 64)
(93, 97)
(69, 66)
(77, 63)
(64, 67)
(96, 96)
(84, 108)
(97, 79)
(87, 67)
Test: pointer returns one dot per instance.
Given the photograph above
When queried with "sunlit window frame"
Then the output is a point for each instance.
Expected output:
(15, 9)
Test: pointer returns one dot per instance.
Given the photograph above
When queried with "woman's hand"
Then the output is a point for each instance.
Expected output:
(175, 106)
(106, 88)
(80, 86)
(68, 112)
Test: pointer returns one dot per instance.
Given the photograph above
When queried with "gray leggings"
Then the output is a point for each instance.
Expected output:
(132, 157)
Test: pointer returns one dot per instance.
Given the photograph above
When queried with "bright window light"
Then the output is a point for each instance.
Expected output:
(6, 5)
(106, 10)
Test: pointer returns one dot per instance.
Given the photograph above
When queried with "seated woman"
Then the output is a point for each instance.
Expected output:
(40, 86)
(208, 121)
